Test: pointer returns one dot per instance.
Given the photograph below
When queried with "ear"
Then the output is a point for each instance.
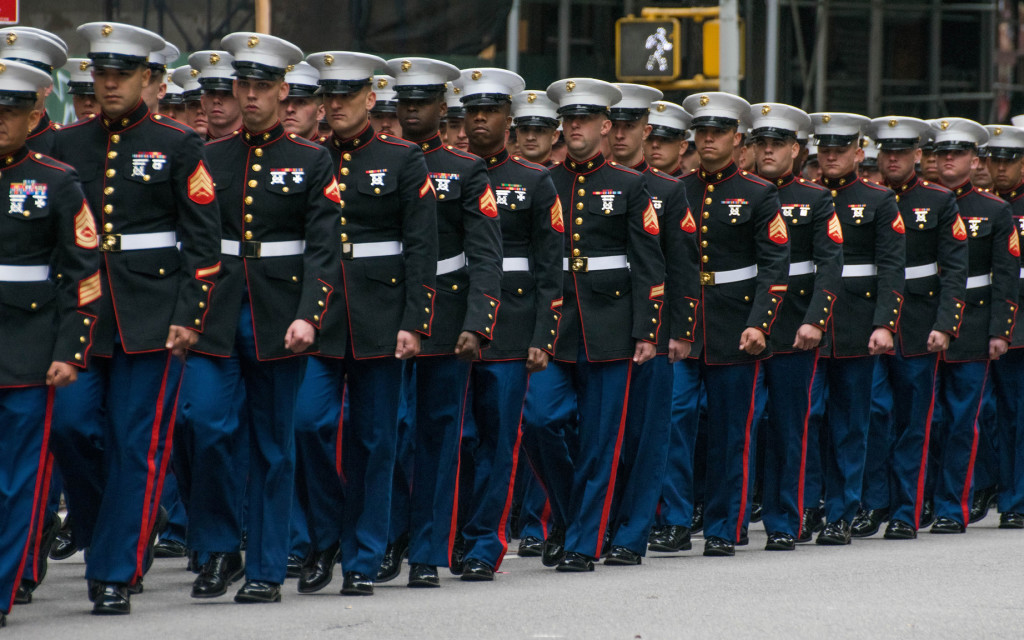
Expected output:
(320, 112)
(917, 156)
(147, 75)
(34, 116)
(162, 92)
(282, 92)
(794, 150)
(444, 109)
(606, 127)
(371, 100)
(647, 131)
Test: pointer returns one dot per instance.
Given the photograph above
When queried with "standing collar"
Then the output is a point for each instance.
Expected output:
(906, 186)
(433, 143)
(11, 159)
(1012, 193)
(841, 182)
(498, 159)
(963, 189)
(357, 141)
(127, 120)
(641, 167)
(258, 138)
(44, 124)
(714, 177)
(584, 166)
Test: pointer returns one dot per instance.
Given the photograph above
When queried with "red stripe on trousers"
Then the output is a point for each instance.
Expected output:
(610, 492)
(337, 443)
(503, 524)
(803, 447)
(965, 505)
(454, 525)
(922, 474)
(746, 454)
(147, 506)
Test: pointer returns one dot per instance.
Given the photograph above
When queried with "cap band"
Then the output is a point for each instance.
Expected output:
(956, 145)
(834, 140)
(718, 122)
(343, 87)
(627, 115)
(116, 60)
(671, 133)
(773, 132)
(581, 109)
(897, 144)
(536, 121)
(420, 91)
(486, 99)
(35, 63)
(256, 71)
(22, 99)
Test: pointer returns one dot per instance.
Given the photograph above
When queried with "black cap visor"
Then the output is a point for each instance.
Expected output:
(81, 89)
(486, 100)
(257, 71)
(714, 122)
(536, 121)
(18, 99)
(1005, 153)
(627, 115)
(216, 84)
(116, 61)
(833, 140)
(897, 144)
(955, 145)
(343, 87)
(420, 91)
(775, 133)
(385, 106)
(581, 110)
(302, 90)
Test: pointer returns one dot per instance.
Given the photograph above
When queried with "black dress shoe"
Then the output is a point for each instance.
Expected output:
(294, 567)
(423, 576)
(867, 522)
(780, 542)
(927, 514)
(900, 530)
(657, 531)
(530, 547)
(835, 533)
(24, 593)
(458, 558)
(575, 563)
(984, 499)
(51, 528)
(672, 539)
(3, 620)
(1011, 520)
(477, 571)
(167, 548)
(217, 574)
(111, 600)
(716, 547)
(258, 592)
(744, 538)
(319, 570)
(554, 547)
(391, 565)
(756, 512)
(356, 584)
(947, 525)
(698, 518)
(622, 556)
(64, 545)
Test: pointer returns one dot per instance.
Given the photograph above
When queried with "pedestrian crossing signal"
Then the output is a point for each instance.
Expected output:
(647, 50)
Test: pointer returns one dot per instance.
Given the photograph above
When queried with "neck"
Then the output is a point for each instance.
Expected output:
(486, 151)
(780, 172)
(716, 164)
(121, 112)
(631, 159)
(425, 136)
(583, 156)
(219, 132)
(254, 125)
(953, 183)
(896, 181)
(352, 131)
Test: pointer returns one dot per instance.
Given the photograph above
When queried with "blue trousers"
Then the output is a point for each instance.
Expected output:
(677, 488)
(349, 503)
(910, 429)
(177, 524)
(789, 380)
(114, 492)
(849, 418)
(644, 455)
(401, 482)
(1008, 380)
(498, 392)
(817, 440)
(960, 392)
(732, 401)
(877, 463)
(219, 454)
(442, 388)
(535, 512)
(986, 462)
(52, 488)
(550, 420)
(25, 419)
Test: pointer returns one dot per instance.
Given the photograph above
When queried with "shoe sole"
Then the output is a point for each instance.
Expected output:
(890, 536)
(864, 534)
(613, 562)
(529, 553)
(570, 569)
(423, 584)
(1011, 526)
(356, 592)
(107, 611)
(253, 600)
(944, 532)
(832, 542)
(307, 589)
(779, 547)
(716, 553)
(476, 577)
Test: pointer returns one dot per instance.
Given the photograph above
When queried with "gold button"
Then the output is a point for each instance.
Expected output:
(125, 122)
(703, 243)
(581, 192)
(492, 301)
(803, 292)
(376, 190)
(424, 326)
(487, 329)
(867, 294)
(108, 190)
(202, 305)
(704, 229)
(161, 271)
(552, 332)
(549, 346)
(344, 237)
(746, 298)
(707, 200)
(490, 316)
(324, 289)
(248, 235)
(33, 305)
(295, 278)
(579, 206)
(257, 167)
(78, 356)
(342, 204)
(575, 236)
(833, 193)
(343, 221)
(653, 320)
(342, 186)
(248, 199)
(115, 138)
(112, 154)
(259, 153)
(711, 188)
(344, 171)
(111, 173)
(703, 258)
(82, 339)
(512, 206)
(252, 183)
(320, 303)
(581, 179)
(87, 322)
(769, 312)
(455, 287)
(206, 287)
(575, 252)
(316, 318)
(248, 217)
(579, 220)
(347, 157)
(821, 322)
(764, 324)
(108, 227)
(427, 309)
(706, 215)
(519, 291)
(691, 305)
(393, 281)
(198, 322)
(440, 196)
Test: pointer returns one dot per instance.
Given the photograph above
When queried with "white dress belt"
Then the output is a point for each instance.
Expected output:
(921, 271)
(1022, 272)
(253, 249)
(28, 273)
(976, 282)
(515, 264)
(113, 242)
(351, 251)
(728, 277)
(603, 263)
(859, 270)
(801, 268)
(451, 264)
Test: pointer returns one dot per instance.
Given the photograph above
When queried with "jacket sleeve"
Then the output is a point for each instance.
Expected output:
(772, 247)
(952, 261)
(419, 241)
(321, 262)
(199, 233)
(482, 245)
(682, 265)
(891, 260)
(828, 262)
(546, 260)
(1005, 274)
(646, 262)
(77, 258)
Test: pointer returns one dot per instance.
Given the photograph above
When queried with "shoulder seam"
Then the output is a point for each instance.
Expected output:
(755, 179)
(526, 163)
(60, 166)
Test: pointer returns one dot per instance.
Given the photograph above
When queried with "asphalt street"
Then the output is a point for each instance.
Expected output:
(938, 586)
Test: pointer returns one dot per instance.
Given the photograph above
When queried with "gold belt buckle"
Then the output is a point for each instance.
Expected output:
(707, 278)
(111, 242)
(579, 265)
